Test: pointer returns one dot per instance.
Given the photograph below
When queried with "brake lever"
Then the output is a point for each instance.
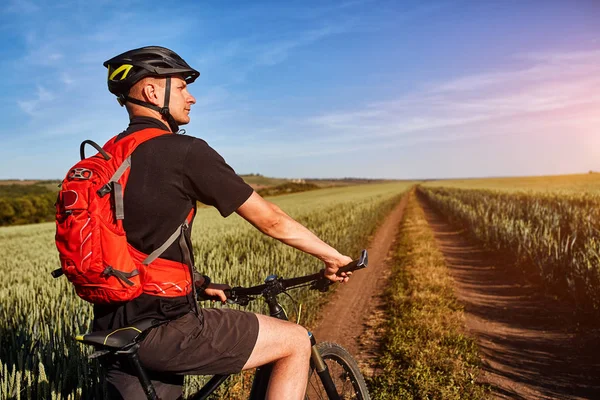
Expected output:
(240, 301)
(322, 285)
(234, 298)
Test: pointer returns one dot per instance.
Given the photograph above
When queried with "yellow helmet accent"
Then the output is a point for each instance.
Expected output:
(125, 68)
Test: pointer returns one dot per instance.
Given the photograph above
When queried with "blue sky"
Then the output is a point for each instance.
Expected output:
(381, 89)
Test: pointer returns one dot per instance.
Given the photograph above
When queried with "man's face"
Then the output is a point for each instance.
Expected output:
(181, 101)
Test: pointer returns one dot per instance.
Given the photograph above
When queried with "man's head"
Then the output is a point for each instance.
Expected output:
(152, 90)
(153, 80)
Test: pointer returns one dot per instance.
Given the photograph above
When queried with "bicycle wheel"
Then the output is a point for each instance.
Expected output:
(344, 371)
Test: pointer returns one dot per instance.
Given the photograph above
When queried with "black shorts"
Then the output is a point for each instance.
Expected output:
(217, 341)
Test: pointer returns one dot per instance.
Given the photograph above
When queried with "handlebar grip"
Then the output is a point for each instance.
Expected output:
(361, 263)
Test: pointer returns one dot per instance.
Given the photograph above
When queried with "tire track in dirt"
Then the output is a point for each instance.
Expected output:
(353, 308)
(531, 346)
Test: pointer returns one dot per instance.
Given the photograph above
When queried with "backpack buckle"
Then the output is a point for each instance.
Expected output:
(104, 190)
(80, 173)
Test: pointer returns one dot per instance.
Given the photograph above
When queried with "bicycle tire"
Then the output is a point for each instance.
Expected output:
(344, 372)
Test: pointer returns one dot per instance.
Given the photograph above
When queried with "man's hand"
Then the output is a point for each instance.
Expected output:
(217, 290)
(332, 266)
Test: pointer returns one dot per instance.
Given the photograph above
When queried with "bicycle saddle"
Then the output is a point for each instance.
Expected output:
(117, 339)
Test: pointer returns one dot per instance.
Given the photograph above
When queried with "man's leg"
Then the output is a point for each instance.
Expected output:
(286, 345)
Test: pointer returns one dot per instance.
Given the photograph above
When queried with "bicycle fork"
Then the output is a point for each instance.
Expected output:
(322, 370)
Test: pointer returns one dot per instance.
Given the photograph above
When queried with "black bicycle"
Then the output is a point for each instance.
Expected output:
(334, 374)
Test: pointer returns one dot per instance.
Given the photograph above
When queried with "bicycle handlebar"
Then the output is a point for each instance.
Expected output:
(241, 295)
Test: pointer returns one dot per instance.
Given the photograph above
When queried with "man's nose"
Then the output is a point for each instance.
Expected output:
(192, 100)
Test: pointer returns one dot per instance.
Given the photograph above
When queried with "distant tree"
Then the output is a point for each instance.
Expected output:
(44, 207)
(7, 212)
(24, 208)
(26, 204)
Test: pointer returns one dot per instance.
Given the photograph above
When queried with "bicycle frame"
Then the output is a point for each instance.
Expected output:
(270, 291)
(263, 373)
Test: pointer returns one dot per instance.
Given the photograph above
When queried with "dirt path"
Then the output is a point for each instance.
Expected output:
(531, 346)
(355, 305)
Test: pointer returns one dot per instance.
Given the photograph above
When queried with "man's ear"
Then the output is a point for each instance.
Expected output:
(151, 92)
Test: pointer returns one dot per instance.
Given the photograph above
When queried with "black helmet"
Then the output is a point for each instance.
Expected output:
(128, 68)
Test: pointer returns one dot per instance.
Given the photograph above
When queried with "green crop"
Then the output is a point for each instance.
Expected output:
(39, 315)
(557, 235)
(576, 183)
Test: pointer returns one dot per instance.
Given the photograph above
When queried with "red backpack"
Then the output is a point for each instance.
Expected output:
(91, 241)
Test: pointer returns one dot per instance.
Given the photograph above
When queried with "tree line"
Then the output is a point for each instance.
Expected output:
(26, 204)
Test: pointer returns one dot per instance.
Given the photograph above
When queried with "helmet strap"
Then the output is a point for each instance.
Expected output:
(164, 110)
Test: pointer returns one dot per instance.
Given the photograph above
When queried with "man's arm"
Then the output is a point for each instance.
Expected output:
(273, 221)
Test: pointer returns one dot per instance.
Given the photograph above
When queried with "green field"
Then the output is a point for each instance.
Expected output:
(589, 183)
(40, 315)
(32, 201)
(550, 225)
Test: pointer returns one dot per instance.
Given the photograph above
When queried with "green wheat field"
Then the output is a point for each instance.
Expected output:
(551, 225)
(39, 315)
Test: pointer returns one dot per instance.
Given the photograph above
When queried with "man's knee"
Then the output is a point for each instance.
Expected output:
(296, 339)
(278, 340)
(303, 341)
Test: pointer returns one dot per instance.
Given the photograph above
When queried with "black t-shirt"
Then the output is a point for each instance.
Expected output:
(168, 175)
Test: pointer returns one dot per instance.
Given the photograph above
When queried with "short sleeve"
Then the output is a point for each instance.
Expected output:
(210, 180)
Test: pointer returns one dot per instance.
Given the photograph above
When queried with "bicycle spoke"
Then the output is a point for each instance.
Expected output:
(346, 389)
(344, 372)
(341, 379)
(315, 390)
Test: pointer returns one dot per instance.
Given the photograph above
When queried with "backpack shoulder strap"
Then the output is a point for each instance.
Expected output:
(124, 147)
(121, 152)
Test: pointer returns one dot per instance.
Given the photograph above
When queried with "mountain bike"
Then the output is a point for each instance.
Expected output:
(334, 374)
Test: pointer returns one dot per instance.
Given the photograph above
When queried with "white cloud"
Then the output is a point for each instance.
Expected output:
(583, 56)
(31, 107)
(45, 55)
(555, 81)
(546, 66)
(269, 54)
(67, 79)
(255, 52)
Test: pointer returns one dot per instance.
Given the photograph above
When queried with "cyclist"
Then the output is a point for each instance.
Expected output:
(169, 175)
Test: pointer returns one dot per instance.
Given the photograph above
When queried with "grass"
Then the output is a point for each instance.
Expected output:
(425, 353)
(39, 315)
